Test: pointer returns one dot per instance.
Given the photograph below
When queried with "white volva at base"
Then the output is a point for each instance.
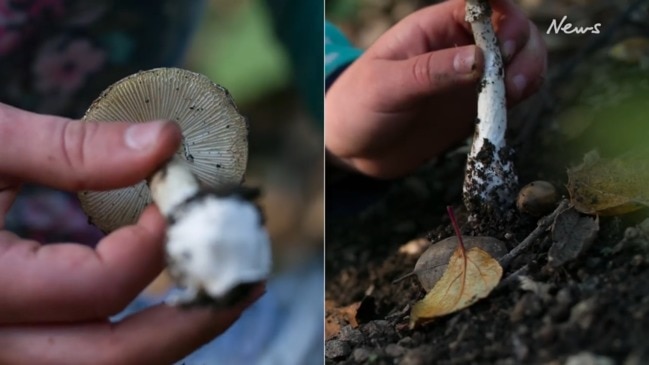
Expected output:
(214, 242)
(217, 244)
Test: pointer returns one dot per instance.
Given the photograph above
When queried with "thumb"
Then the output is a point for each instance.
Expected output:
(432, 73)
(74, 155)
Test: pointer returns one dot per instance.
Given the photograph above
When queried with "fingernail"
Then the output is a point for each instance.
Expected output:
(141, 136)
(464, 61)
(520, 83)
(508, 50)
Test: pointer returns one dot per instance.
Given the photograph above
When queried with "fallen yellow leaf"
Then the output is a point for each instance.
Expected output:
(470, 276)
(610, 187)
(433, 263)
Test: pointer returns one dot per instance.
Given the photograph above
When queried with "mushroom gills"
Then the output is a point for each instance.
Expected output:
(214, 144)
(217, 247)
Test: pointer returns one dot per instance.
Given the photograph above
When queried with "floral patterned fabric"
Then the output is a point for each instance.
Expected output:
(56, 56)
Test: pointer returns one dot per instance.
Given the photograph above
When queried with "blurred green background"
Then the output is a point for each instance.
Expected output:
(235, 45)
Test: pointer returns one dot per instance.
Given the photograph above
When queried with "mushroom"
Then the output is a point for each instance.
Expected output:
(217, 247)
(215, 135)
(490, 181)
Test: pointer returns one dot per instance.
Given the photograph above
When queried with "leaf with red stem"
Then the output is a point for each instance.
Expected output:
(470, 275)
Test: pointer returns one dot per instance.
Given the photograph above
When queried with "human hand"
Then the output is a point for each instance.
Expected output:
(55, 299)
(412, 94)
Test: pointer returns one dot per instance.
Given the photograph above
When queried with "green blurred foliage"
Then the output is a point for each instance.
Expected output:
(610, 111)
(236, 47)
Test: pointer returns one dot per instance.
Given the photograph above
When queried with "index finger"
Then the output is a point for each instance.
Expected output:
(432, 28)
(74, 155)
(442, 26)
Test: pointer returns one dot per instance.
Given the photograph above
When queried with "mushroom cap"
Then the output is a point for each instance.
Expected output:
(215, 135)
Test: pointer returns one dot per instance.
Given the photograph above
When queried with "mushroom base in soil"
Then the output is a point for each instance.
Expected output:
(490, 180)
(217, 246)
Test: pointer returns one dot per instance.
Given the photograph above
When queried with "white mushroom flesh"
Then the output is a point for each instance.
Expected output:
(214, 245)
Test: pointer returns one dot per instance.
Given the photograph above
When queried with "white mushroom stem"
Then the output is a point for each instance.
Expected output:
(490, 179)
(172, 185)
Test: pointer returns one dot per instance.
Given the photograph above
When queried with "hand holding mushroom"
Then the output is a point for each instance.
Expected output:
(412, 94)
(56, 298)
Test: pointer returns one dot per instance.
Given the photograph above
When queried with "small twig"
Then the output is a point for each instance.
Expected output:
(542, 225)
(513, 277)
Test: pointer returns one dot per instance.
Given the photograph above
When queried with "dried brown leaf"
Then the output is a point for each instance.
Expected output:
(469, 276)
(572, 234)
(338, 317)
(610, 187)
